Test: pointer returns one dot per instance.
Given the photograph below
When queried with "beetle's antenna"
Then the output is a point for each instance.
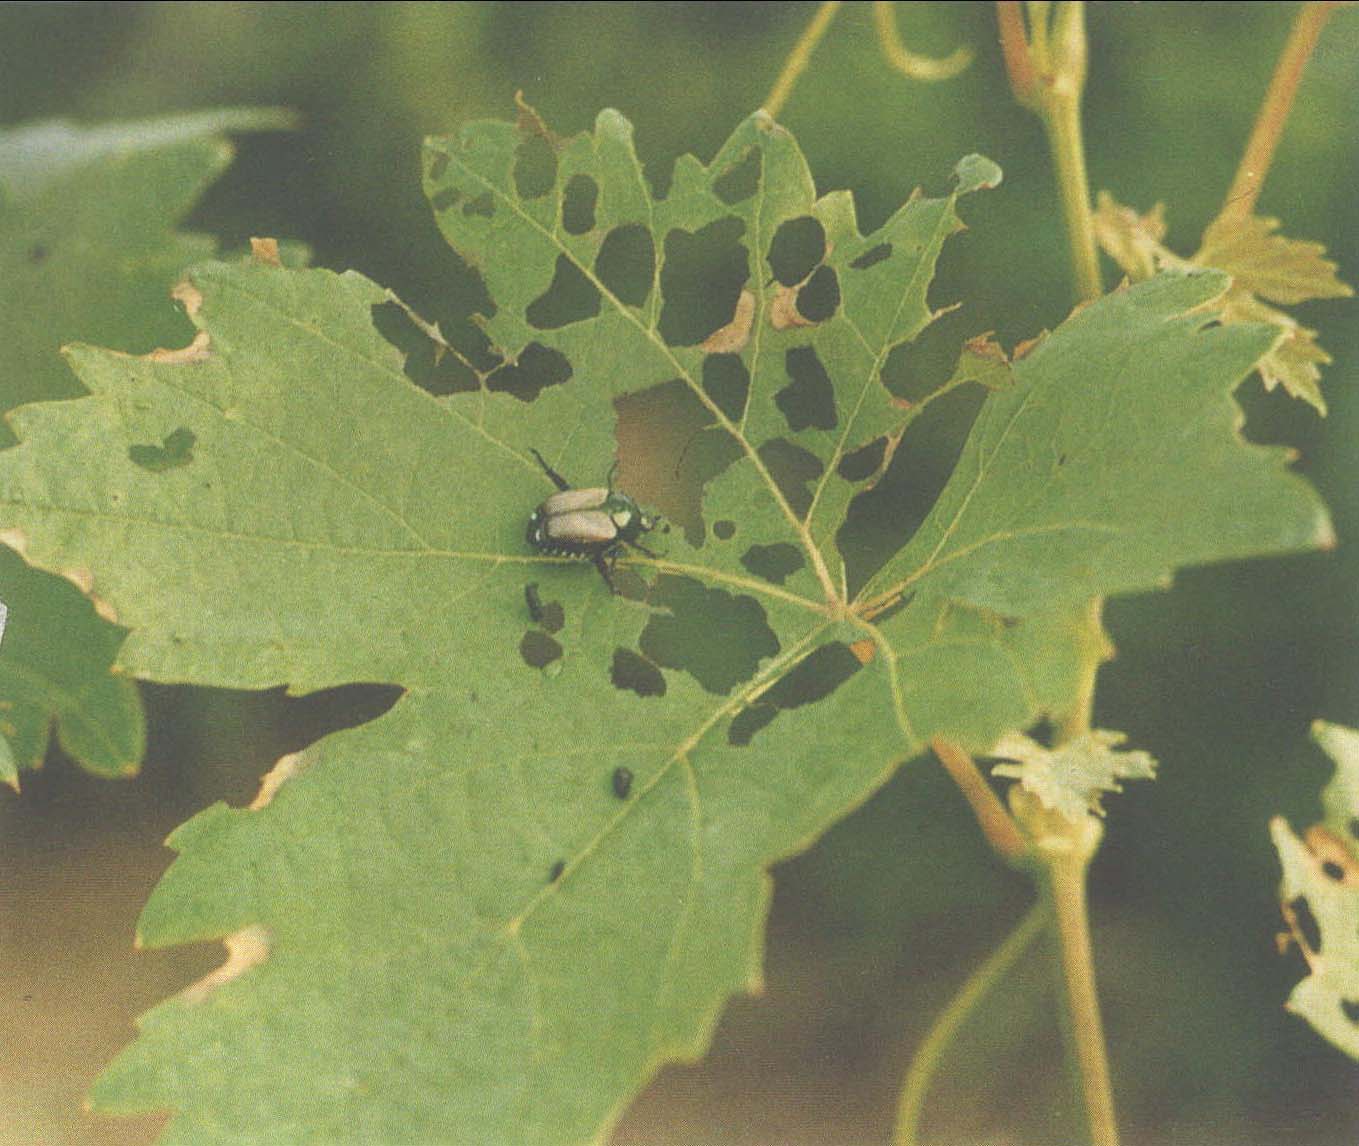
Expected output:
(560, 482)
(608, 478)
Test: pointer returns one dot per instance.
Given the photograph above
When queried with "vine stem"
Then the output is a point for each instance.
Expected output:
(799, 58)
(999, 827)
(927, 1060)
(1064, 886)
(1047, 72)
(1278, 102)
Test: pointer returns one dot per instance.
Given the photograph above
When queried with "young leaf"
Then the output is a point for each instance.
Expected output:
(89, 251)
(1263, 265)
(456, 923)
(1073, 777)
(1320, 896)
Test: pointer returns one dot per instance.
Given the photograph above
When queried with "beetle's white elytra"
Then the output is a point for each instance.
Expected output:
(570, 500)
(585, 525)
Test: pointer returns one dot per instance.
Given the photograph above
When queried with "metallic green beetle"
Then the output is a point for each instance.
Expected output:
(594, 524)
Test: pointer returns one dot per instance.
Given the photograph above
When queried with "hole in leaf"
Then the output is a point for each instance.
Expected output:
(668, 453)
(814, 678)
(426, 364)
(549, 615)
(1350, 1009)
(798, 247)
(535, 167)
(792, 469)
(872, 257)
(631, 585)
(578, 205)
(1038, 732)
(724, 530)
(1308, 929)
(175, 450)
(554, 873)
(809, 400)
(538, 649)
(1333, 871)
(554, 617)
(571, 298)
(715, 636)
(438, 165)
(445, 198)
(916, 369)
(882, 519)
(635, 672)
(483, 205)
(621, 782)
(538, 368)
(741, 180)
(38, 253)
(1354, 827)
(726, 381)
(820, 298)
(626, 263)
(701, 280)
(863, 463)
(775, 563)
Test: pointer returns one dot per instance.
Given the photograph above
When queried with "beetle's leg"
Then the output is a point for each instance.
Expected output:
(558, 480)
(643, 549)
(606, 571)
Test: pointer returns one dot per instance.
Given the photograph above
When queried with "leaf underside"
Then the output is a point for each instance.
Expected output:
(456, 928)
(89, 251)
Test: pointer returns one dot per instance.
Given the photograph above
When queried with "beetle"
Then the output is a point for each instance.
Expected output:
(594, 523)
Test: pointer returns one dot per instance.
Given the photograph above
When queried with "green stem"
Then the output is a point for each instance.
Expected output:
(1051, 81)
(1063, 122)
(1061, 112)
(996, 823)
(1278, 101)
(925, 1065)
(1064, 889)
(799, 58)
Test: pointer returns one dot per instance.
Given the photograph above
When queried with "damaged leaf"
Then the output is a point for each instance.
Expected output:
(89, 250)
(1319, 896)
(456, 892)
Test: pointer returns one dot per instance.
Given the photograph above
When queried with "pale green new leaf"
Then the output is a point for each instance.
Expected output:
(89, 251)
(447, 925)
(1320, 896)
(1264, 265)
(1073, 777)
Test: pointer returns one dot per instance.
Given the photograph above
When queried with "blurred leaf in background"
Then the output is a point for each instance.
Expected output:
(87, 240)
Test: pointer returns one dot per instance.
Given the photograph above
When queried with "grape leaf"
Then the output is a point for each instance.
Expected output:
(86, 239)
(462, 921)
(1264, 265)
(1320, 896)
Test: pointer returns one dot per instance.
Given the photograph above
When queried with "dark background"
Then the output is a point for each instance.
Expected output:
(874, 927)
